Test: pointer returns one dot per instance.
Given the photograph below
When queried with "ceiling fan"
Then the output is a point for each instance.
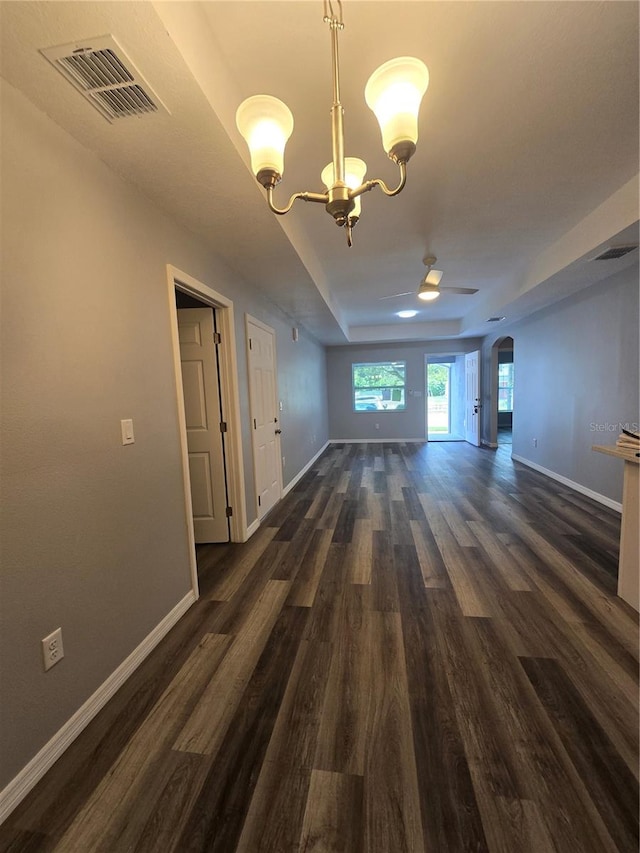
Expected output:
(430, 285)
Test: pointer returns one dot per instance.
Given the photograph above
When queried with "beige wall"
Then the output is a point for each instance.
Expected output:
(93, 533)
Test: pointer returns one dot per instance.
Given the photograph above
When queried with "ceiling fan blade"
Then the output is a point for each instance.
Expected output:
(433, 277)
(393, 295)
(464, 290)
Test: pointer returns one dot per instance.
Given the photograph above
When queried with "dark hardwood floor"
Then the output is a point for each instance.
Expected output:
(420, 650)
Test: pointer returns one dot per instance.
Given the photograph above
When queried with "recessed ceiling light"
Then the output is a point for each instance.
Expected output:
(406, 315)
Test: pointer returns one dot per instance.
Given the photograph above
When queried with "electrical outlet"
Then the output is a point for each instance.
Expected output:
(535, 442)
(52, 650)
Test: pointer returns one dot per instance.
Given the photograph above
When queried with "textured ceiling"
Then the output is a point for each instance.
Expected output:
(527, 160)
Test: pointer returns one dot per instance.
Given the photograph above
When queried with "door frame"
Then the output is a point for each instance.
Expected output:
(248, 318)
(460, 370)
(178, 280)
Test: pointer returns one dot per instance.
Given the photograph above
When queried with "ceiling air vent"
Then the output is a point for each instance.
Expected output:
(495, 319)
(100, 69)
(614, 252)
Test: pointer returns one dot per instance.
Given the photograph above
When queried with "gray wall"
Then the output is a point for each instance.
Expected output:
(344, 423)
(93, 533)
(576, 380)
(302, 387)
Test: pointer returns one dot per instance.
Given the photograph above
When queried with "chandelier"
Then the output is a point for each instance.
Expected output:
(393, 92)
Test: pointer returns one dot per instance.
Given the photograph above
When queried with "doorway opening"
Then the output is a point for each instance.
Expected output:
(229, 395)
(505, 381)
(205, 418)
(445, 384)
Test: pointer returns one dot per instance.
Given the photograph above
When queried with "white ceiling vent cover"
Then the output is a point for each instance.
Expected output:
(101, 70)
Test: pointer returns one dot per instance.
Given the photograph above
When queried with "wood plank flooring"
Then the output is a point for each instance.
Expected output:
(420, 650)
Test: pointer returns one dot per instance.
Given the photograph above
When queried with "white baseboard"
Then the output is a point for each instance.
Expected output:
(251, 529)
(20, 786)
(301, 473)
(421, 440)
(577, 487)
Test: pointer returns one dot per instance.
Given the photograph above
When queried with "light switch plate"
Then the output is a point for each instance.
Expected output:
(126, 427)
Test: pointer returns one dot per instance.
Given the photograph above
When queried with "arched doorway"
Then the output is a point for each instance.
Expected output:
(505, 391)
(501, 420)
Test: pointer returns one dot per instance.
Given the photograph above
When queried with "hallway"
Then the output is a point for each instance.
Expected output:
(419, 650)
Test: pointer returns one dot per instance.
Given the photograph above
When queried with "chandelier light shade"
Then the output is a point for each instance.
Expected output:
(354, 171)
(394, 93)
(266, 124)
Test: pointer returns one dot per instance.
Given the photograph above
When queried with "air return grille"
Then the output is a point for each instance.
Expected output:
(104, 74)
(614, 252)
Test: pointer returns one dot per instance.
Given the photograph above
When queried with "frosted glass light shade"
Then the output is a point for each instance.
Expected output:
(428, 292)
(394, 92)
(266, 124)
(433, 277)
(354, 171)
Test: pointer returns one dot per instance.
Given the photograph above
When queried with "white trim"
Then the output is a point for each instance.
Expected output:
(251, 319)
(182, 430)
(596, 496)
(30, 775)
(420, 440)
(301, 473)
(229, 391)
(251, 529)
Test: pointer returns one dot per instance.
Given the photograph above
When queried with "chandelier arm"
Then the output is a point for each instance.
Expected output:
(321, 198)
(330, 16)
(378, 182)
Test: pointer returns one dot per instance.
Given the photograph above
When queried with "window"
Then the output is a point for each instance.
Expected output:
(378, 386)
(505, 387)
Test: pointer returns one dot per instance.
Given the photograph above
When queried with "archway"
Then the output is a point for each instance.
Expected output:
(502, 373)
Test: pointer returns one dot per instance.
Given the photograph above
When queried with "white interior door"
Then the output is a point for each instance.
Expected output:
(264, 415)
(200, 383)
(472, 402)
